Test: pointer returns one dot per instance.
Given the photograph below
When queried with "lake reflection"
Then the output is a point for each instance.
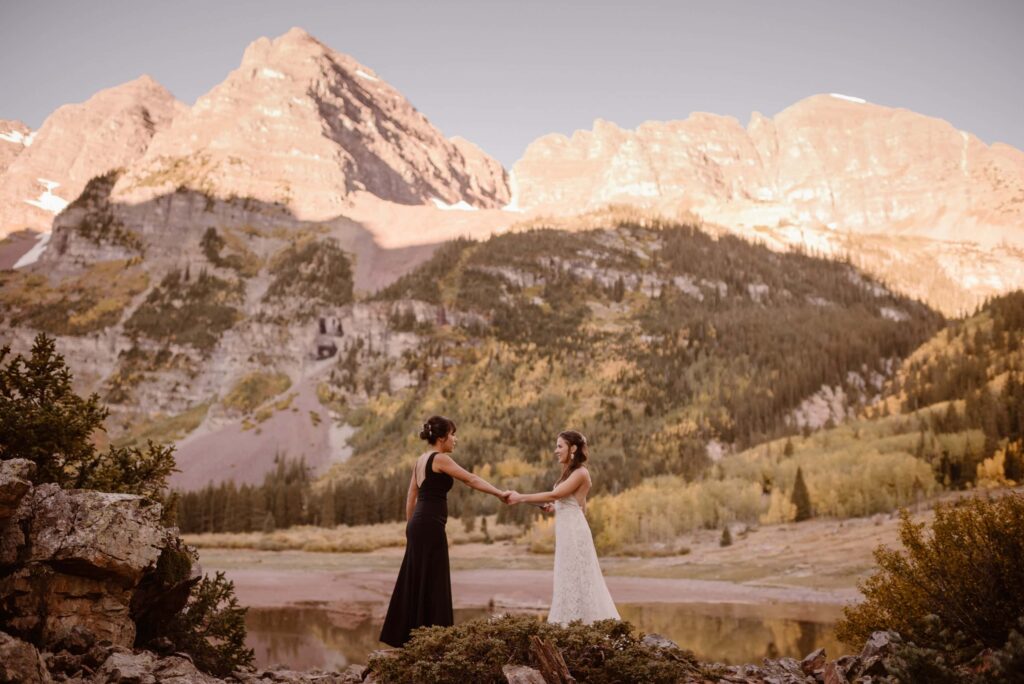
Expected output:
(315, 637)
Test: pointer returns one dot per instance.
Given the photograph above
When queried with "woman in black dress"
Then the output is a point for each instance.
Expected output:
(423, 591)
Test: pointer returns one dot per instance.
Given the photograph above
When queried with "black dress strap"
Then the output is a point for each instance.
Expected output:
(430, 462)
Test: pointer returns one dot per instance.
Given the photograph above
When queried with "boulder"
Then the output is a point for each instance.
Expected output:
(20, 662)
(95, 534)
(521, 674)
(834, 673)
(880, 644)
(144, 667)
(658, 641)
(813, 662)
(73, 561)
(15, 481)
(353, 674)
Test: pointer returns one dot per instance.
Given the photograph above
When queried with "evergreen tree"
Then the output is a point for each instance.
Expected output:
(801, 498)
(268, 523)
(726, 539)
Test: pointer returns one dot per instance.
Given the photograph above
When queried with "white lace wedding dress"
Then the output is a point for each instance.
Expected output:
(580, 592)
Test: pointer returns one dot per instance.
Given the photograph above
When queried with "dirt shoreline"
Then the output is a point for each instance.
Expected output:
(801, 570)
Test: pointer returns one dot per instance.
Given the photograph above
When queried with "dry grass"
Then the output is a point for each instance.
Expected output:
(162, 429)
(343, 538)
(254, 389)
(92, 301)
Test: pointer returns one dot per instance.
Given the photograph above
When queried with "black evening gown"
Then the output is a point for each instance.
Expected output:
(423, 591)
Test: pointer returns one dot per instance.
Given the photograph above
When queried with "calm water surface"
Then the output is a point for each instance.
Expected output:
(314, 637)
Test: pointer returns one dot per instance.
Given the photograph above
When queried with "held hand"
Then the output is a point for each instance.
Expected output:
(514, 498)
(548, 508)
(506, 495)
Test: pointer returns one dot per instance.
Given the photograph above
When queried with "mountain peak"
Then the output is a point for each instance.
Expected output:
(76, 143)
(295, 45)
(304, 126)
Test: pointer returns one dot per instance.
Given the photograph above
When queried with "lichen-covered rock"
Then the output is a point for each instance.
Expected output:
(521, 674)
(15, 481)
(658, 641)
(353, 674)
(73, 560)
(95, 534)
(144, 667)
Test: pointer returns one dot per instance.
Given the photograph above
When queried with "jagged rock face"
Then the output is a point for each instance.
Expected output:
(911, 199)
(46, 606)
(114, 536)
(76, 143)
(823, 162)
(72, 560)
(304, 126)
(14, 138)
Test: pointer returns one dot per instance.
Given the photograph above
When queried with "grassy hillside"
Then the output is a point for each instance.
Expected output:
(951, 418)
(652, 340)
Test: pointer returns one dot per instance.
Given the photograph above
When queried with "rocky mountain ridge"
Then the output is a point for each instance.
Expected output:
(927, 208)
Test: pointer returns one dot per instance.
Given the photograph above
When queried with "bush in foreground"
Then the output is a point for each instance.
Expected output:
(955, 591)
(605, 652)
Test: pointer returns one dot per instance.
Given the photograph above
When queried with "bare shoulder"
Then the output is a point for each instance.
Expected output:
(579, 475)
(443, 461)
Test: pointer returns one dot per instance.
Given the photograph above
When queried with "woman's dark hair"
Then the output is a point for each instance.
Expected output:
(578, 457)
(437, 427)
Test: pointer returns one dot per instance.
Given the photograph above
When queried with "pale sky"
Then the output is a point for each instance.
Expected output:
(502, 74)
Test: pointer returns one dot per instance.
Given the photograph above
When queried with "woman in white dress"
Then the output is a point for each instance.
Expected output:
(579, 592)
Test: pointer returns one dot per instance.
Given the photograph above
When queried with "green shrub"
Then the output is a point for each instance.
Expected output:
(41, 417)
(211, 627)
(312, 273)
(93, 300)
(98, 223)
(912, 663)
(605, 652)
(240, 259)
(185, 311)
(966, 576)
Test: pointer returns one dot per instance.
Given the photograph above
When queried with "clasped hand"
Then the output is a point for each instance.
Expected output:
(512, 497)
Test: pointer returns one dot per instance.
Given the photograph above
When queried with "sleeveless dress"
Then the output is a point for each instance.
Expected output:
(580, 592)
(423, 590)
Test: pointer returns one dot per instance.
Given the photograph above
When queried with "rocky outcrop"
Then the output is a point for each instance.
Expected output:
(72, 559)
(14, 138)
(76, 143)
(83, 577)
